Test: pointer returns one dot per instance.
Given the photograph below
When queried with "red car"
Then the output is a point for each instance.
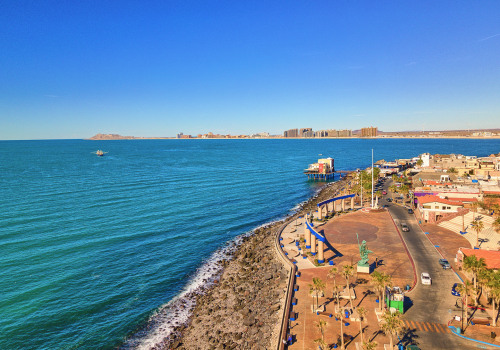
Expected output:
(384, 192)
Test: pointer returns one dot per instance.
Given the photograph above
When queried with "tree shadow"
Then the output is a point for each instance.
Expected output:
(365, 294)
(409, 338)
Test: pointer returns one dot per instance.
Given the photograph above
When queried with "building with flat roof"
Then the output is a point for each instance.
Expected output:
(369, 132)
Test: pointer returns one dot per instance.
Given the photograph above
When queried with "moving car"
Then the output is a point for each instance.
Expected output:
(454, 290)
(384, 192)
(410, 211)
(425, 278)
(444, 263)
(404, 227)
(389, 199)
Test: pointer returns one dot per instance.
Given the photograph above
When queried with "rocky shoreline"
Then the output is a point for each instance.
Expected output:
(244, 307)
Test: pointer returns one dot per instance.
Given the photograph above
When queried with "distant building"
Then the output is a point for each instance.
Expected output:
(369, 132)
(260, 135)
(291, 133)
(306, 132)
(333, 133)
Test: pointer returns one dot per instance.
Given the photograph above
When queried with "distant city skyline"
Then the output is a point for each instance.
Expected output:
(75, 69)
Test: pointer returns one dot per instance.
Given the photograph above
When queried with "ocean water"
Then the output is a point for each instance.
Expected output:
(94, 248)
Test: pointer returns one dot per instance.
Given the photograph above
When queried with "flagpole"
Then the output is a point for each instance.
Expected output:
(372, 178)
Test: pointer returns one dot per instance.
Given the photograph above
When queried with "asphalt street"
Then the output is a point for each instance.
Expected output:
(429, 304)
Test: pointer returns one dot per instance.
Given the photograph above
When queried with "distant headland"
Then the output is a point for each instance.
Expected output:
(369, 132)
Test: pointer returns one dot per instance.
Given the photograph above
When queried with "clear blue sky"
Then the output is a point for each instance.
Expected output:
(71, 69)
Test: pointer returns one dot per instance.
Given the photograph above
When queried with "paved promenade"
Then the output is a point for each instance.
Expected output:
(378, 230)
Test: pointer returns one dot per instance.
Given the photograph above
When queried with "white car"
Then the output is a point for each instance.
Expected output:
(425, 278)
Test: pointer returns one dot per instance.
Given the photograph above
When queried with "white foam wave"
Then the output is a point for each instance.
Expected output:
(162, 325)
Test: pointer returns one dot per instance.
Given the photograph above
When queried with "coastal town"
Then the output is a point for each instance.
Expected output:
(308, 133)
(401, 255)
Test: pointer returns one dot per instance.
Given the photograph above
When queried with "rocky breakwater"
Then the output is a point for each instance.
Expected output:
(244, 308)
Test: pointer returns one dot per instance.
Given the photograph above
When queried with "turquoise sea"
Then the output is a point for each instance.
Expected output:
(99, 252)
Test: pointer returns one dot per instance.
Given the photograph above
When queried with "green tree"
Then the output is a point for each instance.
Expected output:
(392, 325)
(420, 162)
(452, 170)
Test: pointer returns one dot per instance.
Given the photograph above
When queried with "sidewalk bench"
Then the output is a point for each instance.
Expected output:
(294, 261)
(481, 321)
(324, 313)
(294, 301)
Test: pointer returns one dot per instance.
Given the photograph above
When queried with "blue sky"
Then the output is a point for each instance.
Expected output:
(71, 69)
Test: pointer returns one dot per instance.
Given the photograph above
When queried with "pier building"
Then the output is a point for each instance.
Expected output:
(322, 170)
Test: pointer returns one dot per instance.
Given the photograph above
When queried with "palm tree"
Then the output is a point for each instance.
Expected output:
(322, 344)
(315, 288)
(393, 189)
(474, 206)
(321, 324)
(496, 224)
(483, 277)
(464, 289)
(392, 325)
(473, 265)
(371, 345)
(333, 275)
(347, 272)
(478, 227)
(420, 162)
(381, 281)
(362, 313)
(336, 293)
(493, 286)
(338, 316)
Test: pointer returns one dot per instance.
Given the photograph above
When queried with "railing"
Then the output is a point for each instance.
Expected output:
(291, 281)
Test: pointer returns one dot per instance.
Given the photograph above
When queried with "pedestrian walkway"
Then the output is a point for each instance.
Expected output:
(290, 241)
(426, 326)
(488, 237)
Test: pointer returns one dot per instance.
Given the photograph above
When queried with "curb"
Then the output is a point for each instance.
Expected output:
(407, 252)
(454, 331)
(438, 250)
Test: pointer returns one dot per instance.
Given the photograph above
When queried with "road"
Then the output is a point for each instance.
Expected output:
(432, 304)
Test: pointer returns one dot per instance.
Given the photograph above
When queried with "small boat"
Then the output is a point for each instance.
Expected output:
(100, 153)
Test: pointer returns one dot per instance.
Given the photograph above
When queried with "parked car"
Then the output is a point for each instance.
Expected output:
(444, 263)
(410, 211)
(425, 278)
(404, 227)
(389, 199)
(454, 290)
(384, 192)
